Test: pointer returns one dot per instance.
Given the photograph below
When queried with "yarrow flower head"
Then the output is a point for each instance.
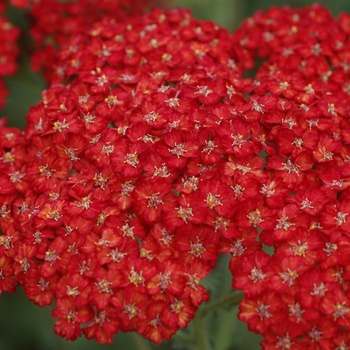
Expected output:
(150, 154)
(9, 51)
(129, 179)
(304, 72)
(54, 21)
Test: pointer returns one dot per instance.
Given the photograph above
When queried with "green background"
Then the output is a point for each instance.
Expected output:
(25, 326)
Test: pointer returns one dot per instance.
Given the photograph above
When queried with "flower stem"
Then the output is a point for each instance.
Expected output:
(141, 343)
(230, 299)
(184, 337)
(200, 334)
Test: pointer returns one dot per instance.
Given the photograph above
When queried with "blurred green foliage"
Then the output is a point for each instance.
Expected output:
(230, 13)
(25, 326)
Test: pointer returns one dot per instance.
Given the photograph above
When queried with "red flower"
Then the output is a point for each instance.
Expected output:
(149, 197)
(130, 304)
(104, 324)
(176, 149)
(8, 281)
(178, 313)
(291, 171)
(254, 275)
(170, 278)
(217, 196)
(199, 244)
(153, 328)
(70, 318)
(104, 284)
(335, 215)
(259, 311)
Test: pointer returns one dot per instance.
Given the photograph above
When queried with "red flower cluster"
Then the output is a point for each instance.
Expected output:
(12, 160)
(8, 51)
(150, 154)
(63, 18)
(129, 173)
(298, 296)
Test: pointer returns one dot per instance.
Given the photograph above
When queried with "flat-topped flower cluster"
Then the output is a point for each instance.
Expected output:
(9, 51)
(151, 153)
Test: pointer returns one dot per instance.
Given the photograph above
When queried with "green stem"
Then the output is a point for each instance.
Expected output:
(200, 334)
(183, 337)
(140, 343)
(230, 299)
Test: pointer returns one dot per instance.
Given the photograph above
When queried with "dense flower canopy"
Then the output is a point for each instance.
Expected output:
(298, 296)
(8, 51)
(122, 197)
(62, 18)
(150, 154)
